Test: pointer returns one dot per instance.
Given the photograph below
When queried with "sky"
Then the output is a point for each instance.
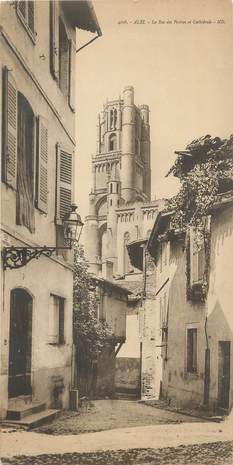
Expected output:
(181, 68)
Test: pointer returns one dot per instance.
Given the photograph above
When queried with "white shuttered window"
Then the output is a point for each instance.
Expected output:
(42, 165)
(54, 39)
(64, 185)
(9, 161)
(72, 58)
(197, 256)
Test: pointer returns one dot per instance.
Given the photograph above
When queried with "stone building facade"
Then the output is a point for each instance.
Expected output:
(38, 54)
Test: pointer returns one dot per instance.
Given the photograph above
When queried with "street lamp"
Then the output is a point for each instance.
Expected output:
(16, 257)
(72, 225)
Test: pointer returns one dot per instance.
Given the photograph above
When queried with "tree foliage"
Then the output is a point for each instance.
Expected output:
(205, 169)
(90, 333)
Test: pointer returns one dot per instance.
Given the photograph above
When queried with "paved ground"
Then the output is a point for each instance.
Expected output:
(112, 414)
(187, 443)
(205, 454)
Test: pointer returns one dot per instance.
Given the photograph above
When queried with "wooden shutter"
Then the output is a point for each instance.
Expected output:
(197, 257)
(54, 39)
(31, 15)
(42, 165)
(21, 9)
(61, 323)
(64, 182)
(72, 67)
(53, 320)
(9, 161)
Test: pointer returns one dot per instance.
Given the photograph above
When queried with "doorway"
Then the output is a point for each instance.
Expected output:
(224, 348)
(20, 346)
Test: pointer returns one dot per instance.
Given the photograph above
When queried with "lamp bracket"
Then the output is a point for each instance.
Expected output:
(16, 257)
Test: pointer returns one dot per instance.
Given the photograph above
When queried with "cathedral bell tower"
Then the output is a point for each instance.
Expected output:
(121, 174)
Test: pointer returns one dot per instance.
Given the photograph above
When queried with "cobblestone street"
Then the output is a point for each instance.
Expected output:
(120, 433)
(204, 454)
(110, 414)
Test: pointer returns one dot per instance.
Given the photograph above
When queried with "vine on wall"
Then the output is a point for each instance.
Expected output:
(205, 170)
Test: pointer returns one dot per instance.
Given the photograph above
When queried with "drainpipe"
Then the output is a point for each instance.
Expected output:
(207, 368)
(207, 350)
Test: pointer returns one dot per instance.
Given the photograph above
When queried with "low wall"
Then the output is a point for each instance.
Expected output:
(127, 375)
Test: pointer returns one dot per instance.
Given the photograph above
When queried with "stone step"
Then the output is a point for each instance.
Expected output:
(126, 396)
(20, 411)
(35, 419)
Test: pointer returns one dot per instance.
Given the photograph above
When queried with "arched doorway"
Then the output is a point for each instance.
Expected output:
(20, 349)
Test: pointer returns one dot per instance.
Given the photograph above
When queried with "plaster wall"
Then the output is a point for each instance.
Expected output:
(184, 388)
(31, 53)
(29, 64)
(114, 313)
(40, 279)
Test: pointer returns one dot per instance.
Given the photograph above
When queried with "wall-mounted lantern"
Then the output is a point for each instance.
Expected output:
(16, 257)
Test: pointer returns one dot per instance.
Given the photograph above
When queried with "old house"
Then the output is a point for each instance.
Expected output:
(112, 301)
(194, 269)
(153, 294)
(38, 54)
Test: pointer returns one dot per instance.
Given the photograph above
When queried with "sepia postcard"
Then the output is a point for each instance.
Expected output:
(116, 320)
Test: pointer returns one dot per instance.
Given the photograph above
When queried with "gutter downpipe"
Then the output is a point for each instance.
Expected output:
(207, 350)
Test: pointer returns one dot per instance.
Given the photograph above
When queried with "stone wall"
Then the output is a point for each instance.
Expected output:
(127, 375)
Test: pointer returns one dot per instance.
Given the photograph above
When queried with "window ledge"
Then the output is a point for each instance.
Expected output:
(57, 344)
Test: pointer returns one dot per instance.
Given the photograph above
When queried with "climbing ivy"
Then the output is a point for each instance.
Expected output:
(205, 169)
(90, 333)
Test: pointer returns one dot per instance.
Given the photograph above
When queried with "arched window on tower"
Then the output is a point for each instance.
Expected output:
(125, 254)
(113, 118)
(112, 142)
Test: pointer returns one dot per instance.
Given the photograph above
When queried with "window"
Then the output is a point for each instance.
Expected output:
(63, 55)
(113, 118)
(112, 142)
(64, 182)
(56, 320)
(197, 256)
(192, 350)
(42, 165)
(25, 12)
(25, 164)
(19, 170)
(137, 146)
(63, 59)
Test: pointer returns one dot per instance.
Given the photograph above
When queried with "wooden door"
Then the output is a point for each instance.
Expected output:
(20, 343)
